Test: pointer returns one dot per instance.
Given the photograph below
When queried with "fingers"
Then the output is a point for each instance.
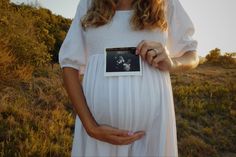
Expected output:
(144, 47)
(123, 133)
(118, 140)
(139, 46)
(155, 54)
(159, 58)
(151, 54)
(118, 132)
(117, 136)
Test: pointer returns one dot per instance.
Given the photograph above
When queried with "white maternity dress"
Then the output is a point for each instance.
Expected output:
(127, 102)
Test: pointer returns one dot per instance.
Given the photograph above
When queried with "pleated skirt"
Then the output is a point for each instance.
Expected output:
(134, 103)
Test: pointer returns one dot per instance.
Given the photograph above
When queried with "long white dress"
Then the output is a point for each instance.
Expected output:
(127, 102)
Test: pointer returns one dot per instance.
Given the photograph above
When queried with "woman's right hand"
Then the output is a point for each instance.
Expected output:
(115, 136)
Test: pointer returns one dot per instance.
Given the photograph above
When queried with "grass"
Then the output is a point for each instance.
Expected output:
(37, 119)
(205, 109)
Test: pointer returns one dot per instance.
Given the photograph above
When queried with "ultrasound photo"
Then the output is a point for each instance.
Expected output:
(122, 61)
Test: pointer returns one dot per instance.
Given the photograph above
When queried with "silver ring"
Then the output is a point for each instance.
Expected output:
(155, 50)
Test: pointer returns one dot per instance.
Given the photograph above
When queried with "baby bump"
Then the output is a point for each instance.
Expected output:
(125, 102)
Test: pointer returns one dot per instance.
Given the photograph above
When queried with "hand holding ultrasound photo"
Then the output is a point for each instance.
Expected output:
(121, 61)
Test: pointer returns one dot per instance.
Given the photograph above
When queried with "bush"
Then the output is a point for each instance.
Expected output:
(227, 60)
(214, 55)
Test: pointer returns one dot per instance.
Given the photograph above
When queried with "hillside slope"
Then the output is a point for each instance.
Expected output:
(37, 119)
(205, 100)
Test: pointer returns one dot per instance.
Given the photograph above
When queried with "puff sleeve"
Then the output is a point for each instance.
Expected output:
(73, 51)
(180, 30)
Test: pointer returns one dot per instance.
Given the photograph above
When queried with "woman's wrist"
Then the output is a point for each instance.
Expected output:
(90, 126)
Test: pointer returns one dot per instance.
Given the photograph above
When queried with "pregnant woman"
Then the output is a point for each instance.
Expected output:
(121, 116)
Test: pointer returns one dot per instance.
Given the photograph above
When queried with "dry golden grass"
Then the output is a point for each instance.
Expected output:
(205, 108)
(11, 71)
(35, 118)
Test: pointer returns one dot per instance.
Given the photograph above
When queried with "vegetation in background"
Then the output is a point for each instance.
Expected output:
(228, 60)
(34, 34)
(36, 118)
(205, 103)
(35, 115)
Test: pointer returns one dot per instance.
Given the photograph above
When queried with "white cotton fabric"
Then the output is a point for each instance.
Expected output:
(127, 102)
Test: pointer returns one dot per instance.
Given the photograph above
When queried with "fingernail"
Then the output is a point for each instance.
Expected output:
(130, 133)
(136, 52)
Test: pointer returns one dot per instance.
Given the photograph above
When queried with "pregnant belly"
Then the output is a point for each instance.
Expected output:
(124, 105)
(125, 102)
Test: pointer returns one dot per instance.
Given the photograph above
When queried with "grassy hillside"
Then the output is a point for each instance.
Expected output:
(37, 120)
(36, 117)
(205, 100)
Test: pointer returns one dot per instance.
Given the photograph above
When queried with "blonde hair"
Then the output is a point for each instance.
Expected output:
(148, 14)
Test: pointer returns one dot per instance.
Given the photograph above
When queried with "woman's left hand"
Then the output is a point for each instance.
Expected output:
(155, 54)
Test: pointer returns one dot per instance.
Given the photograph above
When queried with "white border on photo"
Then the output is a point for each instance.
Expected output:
(132, 73)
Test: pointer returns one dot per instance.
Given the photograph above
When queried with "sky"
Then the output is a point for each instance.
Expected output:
(214, 20)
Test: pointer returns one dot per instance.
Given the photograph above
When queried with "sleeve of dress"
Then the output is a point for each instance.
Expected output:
(72, 52)
(180, 30)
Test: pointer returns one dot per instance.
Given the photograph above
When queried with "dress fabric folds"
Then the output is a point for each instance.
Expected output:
(127, 102)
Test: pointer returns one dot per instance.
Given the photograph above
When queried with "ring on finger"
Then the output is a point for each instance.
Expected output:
(156, 52)
(151, 55)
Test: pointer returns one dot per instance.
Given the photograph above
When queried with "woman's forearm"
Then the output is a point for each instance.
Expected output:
(76, 95)
(188, 61)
